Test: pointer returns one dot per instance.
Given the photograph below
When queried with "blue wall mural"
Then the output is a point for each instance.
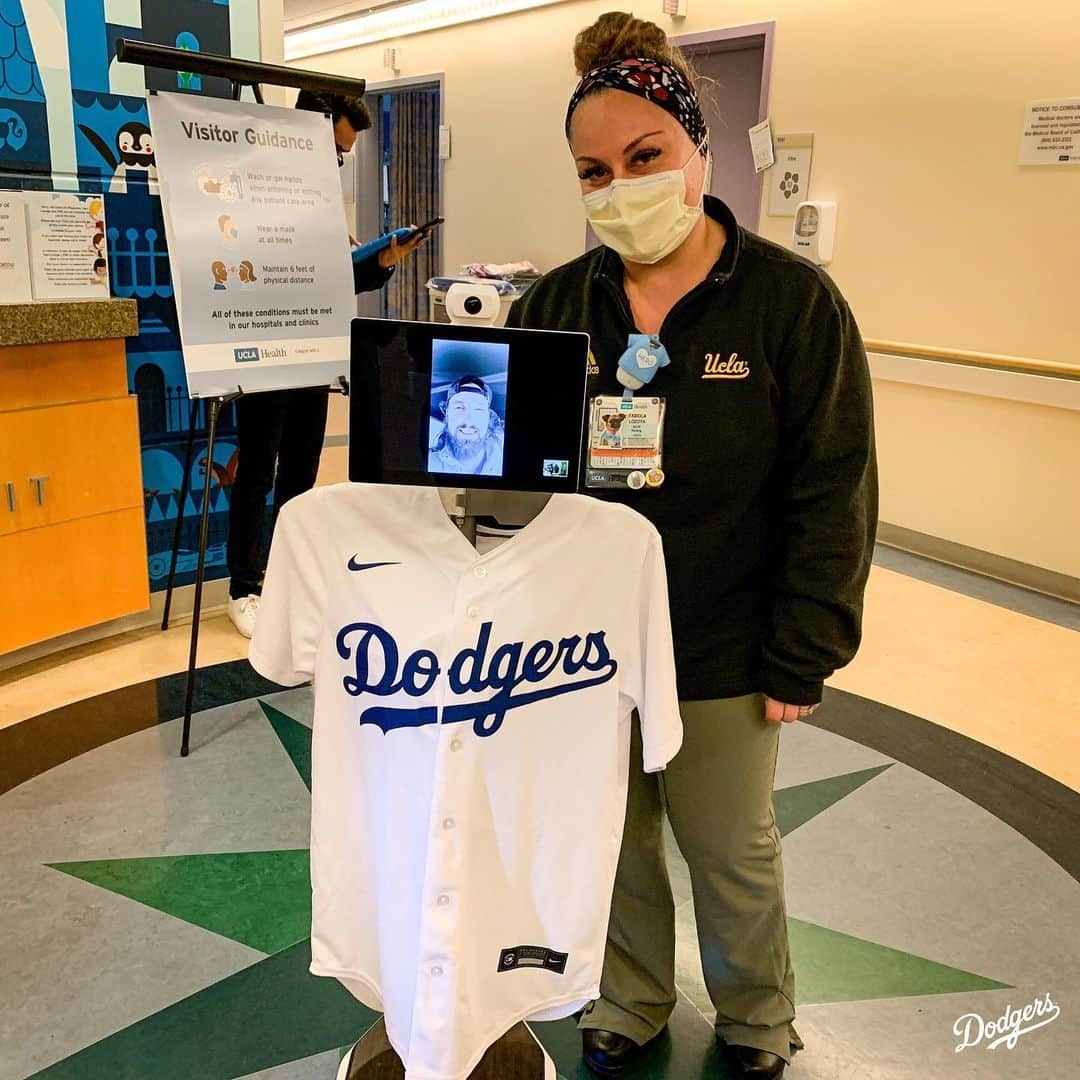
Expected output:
(24, 120)
(73, 118)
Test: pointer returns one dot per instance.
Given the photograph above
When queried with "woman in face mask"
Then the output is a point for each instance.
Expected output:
(767, 505)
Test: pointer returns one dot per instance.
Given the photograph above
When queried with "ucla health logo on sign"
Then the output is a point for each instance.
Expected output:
(380, 670)
(245, 356)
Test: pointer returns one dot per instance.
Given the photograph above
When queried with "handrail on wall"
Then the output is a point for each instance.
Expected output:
(1025, 365)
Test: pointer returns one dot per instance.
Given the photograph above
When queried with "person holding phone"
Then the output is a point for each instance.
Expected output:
(767, 506)
(406, 235)
(280, 433)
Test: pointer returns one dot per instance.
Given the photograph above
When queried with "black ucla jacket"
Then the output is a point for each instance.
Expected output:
(769, 506)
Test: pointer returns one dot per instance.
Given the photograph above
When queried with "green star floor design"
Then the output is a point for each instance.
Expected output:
(155, 910)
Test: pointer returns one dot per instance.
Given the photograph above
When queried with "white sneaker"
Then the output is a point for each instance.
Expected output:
(243, 612)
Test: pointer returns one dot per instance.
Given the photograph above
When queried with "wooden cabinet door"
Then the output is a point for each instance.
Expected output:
(69, 461)
(66, 577)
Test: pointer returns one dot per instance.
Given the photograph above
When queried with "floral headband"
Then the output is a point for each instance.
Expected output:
(654, 80)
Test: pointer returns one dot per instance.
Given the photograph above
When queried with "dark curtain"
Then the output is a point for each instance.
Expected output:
(414, 194)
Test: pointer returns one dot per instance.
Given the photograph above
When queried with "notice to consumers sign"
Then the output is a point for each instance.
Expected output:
(1051, 133)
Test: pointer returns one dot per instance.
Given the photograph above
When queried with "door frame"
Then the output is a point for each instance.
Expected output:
(731, 39)
(369, 169)
(369, 163)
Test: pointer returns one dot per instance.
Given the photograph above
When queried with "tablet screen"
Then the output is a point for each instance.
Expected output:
(461, 406)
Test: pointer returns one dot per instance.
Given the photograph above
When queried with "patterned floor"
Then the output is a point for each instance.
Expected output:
(154, 910)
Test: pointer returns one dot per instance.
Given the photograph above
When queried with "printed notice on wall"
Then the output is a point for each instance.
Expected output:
(761, 146)
(68, 259)
(789, 181)
(1051, 134)
(258, 243)
(14, 257)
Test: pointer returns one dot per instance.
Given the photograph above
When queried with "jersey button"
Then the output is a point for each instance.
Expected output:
(472, 612)
(436, 971)
(455, 745)
(443, 900)
(481, 571)
(448, 823)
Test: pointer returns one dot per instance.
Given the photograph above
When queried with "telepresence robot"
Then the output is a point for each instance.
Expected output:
(517, 1055)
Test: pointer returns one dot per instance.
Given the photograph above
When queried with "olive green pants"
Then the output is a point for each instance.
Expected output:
(717, 794)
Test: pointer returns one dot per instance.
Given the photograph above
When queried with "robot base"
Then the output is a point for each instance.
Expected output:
(516, 1056)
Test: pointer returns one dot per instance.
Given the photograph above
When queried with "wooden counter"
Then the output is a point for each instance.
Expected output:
(72, 529)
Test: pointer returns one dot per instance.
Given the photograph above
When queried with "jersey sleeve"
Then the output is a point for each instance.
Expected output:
(654, 689)
(290, 621)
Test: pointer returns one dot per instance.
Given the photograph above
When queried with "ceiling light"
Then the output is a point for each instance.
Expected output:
(398, 21)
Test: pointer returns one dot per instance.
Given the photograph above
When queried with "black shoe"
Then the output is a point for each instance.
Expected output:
(607, 1053)
(756, 1064)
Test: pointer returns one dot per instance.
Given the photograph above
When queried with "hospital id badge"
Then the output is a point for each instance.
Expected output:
(626, 438)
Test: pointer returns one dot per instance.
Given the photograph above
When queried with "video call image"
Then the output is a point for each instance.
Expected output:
(467, 426)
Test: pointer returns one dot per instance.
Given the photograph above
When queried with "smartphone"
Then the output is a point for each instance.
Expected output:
(373, 247)
(427, 228)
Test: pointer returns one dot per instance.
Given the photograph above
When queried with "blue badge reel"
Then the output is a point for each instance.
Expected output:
(643, 358)
(626, 433)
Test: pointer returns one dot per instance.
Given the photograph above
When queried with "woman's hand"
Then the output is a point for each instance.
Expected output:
(777, 712)
(393, 254)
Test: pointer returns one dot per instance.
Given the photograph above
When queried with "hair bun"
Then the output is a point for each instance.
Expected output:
(619, 36)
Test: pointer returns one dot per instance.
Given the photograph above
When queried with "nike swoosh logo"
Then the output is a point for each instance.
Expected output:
(354, 565)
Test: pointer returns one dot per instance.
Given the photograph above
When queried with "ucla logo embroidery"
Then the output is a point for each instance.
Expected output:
(378, 669)
(731, 367)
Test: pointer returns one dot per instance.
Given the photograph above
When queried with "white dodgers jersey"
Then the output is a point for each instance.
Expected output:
(470, 752)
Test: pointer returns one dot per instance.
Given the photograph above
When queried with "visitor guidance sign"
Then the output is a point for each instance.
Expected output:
(258, 243)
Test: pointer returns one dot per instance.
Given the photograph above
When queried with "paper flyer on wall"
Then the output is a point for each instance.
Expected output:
(68, 248)
(14, 254)
(258, 243)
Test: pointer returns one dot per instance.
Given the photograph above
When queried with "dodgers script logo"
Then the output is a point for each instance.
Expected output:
(1007, 1028)
(378, 670)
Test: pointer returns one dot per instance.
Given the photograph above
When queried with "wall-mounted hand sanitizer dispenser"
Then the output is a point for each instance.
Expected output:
(814, 231)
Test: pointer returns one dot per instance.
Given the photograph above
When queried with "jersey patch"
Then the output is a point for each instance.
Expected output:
(533, 956)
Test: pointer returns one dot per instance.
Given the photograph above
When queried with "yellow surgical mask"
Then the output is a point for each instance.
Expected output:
(646, 218)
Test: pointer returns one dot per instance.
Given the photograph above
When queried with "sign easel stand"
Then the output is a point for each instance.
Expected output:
(240, 73)
(215, 406)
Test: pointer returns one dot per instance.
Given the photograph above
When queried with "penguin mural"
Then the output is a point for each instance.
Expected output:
(134, 150)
